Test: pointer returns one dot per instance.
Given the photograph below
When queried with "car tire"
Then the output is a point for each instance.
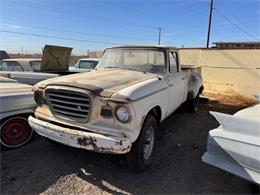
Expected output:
(15, 132)
(141, 155)
(193, 105)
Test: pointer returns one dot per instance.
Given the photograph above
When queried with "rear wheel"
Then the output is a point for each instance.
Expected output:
(193, 105)
(15, 132)
(142, 152)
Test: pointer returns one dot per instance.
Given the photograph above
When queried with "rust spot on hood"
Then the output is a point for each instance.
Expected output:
(101, 82)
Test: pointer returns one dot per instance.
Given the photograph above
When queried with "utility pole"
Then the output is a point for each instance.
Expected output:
(209, 27)
(159, 38)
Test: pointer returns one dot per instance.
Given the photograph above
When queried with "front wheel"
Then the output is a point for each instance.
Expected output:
(142, 152)
(15, 132)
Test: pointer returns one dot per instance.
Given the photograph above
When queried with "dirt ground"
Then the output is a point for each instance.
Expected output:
(40, 167)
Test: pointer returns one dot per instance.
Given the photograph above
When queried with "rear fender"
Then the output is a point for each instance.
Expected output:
(195, 86)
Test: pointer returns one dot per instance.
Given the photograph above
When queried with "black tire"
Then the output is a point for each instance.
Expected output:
(138, 159)
(15, 132)
(193, 105)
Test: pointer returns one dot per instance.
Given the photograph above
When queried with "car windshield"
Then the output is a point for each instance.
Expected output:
(86, 64)
(146, 60)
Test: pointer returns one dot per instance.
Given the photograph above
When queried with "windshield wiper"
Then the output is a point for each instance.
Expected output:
(106, 67)
(125, 68)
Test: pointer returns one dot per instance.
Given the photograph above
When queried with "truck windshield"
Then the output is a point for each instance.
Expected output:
(145, 60)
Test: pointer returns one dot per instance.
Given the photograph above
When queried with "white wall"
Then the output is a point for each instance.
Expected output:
(227, 70)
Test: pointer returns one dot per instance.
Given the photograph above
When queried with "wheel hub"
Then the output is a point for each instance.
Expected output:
(15, 132)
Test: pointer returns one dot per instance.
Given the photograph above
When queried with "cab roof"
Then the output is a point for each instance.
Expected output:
(22, 59)
(144, 46)
(93, 59)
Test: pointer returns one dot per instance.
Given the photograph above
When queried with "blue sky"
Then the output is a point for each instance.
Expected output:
(97, 24)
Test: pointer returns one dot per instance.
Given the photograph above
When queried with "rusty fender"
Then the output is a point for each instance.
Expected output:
(81, 139)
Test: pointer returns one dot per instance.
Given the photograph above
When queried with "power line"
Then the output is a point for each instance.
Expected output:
(57, 37)
(33, 5)
(237, 18)
(235, 25)
(77, 32)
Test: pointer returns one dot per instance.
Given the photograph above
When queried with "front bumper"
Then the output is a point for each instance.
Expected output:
(81, 139)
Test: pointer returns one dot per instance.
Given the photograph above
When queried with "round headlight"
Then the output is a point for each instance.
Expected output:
(38, 97)
(122, 114)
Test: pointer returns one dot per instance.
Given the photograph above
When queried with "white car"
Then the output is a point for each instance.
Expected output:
(21, 64)
(16, 104)
(55, 61)
(235, 145)
(24, 70)
(118, 107)
(84, 65)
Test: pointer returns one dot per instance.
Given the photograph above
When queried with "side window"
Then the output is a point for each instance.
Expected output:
(76, 65)
(11, 66)
(95, 64)
(173, 62)
(36, 66)
(87, 64)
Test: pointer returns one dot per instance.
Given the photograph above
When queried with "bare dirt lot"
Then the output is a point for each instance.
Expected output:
(41, 167)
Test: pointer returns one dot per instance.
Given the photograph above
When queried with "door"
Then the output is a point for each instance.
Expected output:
(176, 81)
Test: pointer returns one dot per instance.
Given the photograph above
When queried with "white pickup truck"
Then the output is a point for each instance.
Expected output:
(118, 107)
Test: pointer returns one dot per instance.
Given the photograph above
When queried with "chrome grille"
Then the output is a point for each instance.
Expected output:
(68, 104)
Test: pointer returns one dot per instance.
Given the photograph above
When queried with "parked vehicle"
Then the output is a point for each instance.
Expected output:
(235, 145)
(24, 70)
(30, 78)
(21, 64)
(3, 55)
(17, 103)
(55, 61)
(118, 107)
(84, 65)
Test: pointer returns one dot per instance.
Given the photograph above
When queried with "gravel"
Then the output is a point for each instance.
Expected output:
(42, 167)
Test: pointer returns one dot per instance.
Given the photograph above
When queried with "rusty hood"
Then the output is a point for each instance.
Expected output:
(103, 82)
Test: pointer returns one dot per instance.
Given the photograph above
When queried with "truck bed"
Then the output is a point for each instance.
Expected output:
(193, 68)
